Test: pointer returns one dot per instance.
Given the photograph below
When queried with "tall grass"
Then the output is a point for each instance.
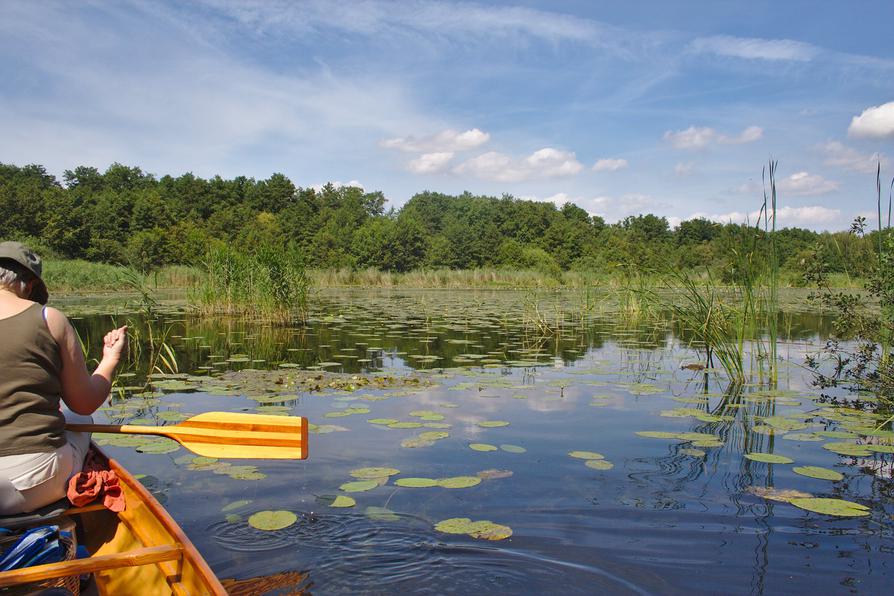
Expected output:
(742, 316)
(268, 282)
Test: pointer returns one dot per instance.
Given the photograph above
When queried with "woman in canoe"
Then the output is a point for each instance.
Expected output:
(40, 363)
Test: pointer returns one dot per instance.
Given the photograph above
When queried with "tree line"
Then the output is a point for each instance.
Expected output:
(127, 216)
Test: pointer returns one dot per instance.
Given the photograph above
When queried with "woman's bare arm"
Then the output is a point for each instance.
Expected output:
(81, 391)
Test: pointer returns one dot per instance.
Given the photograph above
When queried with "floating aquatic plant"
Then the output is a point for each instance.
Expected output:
(416, 482)
(272, 520)
(359, 486)
(769, 458)
(342, 501)
(837, 507)
(373, 473)
(818, 472)
(482, 447)
(484, 529)
(459, 482)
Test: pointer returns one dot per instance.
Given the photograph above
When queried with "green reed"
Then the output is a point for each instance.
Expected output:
(729, 321)
(268, 282)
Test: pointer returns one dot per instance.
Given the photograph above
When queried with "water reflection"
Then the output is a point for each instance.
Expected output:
(680, 509)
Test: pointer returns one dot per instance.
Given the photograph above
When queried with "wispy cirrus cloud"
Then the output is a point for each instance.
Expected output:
(753, 48)
(699, 137)
(876, 122)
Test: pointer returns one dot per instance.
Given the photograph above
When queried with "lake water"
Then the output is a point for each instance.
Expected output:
(616, 470)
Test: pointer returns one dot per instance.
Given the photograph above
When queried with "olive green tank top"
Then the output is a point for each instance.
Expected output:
(30, 386)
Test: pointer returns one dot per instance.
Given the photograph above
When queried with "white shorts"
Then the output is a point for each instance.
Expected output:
(33, 480)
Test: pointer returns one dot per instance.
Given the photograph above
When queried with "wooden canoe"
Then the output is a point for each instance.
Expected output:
(141, 550)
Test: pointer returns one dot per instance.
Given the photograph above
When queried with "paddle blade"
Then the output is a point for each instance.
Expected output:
(243, 436)
(226, 435)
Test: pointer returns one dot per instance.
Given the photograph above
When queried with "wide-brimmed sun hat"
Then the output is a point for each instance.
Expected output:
(27, 258)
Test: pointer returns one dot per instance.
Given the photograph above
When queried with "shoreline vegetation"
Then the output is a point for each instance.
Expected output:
(73, 277)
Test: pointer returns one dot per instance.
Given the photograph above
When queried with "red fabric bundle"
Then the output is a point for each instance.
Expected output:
(95, 480)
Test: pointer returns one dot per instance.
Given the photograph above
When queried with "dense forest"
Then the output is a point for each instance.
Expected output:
(126, 216)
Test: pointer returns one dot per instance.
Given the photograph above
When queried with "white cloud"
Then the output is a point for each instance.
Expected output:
(444, 141)
(609, 165)
(813, 216)
(699, 137)
(842, 156)
(691, 138)
(876, 122)
(805, 184)
(337, 184)
(798, 184)
(683, 169)
(755, 48)
(610, 208)
(749, 135)
(430, 163)
(543, 163)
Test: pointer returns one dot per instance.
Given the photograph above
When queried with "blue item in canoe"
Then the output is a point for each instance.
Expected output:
(29, 546)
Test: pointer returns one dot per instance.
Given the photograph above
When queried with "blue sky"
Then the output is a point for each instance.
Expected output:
(629, 107)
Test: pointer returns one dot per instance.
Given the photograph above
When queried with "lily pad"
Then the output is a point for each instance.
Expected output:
(383, 421)
(482, 447)
(599, 464)
(692, 452)
(459, 482)
(851, 449)
(880, 448)
(586, 455)
(484, 529)
(405, 425)
(657, 434)
(434, 435)
(488, 530)
(818, 472)
(513, 448)
(769, 458)
(416, 482)
(158, 446)
(342, 501)
(235, 505)
(837, 507)
(454, 525)
(373, 473)
(493, 423)
(359, 486)
(272, 520)
(813, 437)
(381, 514)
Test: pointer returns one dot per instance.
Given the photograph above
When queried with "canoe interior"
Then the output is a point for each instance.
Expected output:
(140, 550)
(145, 523)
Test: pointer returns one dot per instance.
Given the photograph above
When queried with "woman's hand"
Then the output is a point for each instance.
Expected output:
(113, 344)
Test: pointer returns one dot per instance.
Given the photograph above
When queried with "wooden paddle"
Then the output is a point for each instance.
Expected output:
(226, 435)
